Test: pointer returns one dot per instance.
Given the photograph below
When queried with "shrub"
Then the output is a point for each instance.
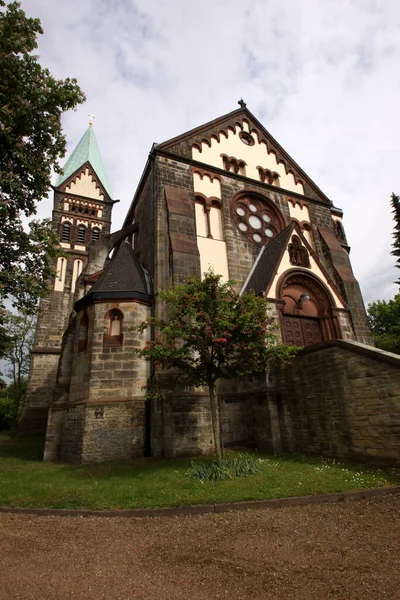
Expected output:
(241, 465)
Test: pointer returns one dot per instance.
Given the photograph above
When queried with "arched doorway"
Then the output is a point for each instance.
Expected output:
(307, 316)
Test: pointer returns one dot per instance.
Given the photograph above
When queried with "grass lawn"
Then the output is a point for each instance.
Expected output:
(26, 481)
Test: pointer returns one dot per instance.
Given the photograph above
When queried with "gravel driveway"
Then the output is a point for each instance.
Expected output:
(325, 552)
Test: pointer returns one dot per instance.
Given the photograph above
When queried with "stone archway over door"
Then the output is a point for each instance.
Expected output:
(307, 316)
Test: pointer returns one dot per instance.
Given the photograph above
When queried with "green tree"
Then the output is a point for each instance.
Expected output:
(11, 399)
(19, 331)
(17, 340)
(212, 333)
(395, 201)
(384, 319)
(31, 142)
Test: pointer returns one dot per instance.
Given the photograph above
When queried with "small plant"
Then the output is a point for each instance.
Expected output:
(241, 465)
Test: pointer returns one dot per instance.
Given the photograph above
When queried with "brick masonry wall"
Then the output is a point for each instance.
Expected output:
(343, 400)
(98, 413)
(181, 422)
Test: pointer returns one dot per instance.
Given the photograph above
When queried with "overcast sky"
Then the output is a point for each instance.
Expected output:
(323, 78)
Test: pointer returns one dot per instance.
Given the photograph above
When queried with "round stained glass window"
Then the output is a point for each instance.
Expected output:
(257, 219)
(255, 222)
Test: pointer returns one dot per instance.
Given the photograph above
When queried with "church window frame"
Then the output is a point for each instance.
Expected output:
(247, 138)
(113, 336)
(95, 234)
(81, 231)
(256, 218)
(66, 228)
(206, 225)
(83, 334)
(339, 230)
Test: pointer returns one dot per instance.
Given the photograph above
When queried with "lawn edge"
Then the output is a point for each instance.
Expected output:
(199, 509)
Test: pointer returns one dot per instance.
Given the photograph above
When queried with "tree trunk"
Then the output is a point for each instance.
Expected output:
(215, 421)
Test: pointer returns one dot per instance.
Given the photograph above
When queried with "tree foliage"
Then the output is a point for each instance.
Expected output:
(395, 201)
(11, 399)
(212, 333)
(18, 336)
(31, 142)
(384, 319)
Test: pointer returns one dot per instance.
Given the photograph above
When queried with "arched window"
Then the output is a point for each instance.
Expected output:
(77, 270)
(61, 271)
(339, 230)
(113, 335)
(81, 235)
(66, 232)
(208, 218)
(202, 225)
(216, 229)
(256, 218)
(83, 333)
(95, 234)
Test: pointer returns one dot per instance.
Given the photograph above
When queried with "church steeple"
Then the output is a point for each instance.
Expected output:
(87, 151)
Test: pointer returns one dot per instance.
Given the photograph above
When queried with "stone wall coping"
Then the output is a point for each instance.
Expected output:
(45, 350)
(356, 348)
(198, 509)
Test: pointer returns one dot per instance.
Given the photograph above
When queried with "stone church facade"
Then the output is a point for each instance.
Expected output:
(224, 194)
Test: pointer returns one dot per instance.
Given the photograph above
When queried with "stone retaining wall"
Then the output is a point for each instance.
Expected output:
(343, 400)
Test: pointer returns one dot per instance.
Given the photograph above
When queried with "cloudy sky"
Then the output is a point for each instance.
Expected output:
(323, 77)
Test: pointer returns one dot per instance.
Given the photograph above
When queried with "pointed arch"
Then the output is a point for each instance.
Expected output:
(307, 316)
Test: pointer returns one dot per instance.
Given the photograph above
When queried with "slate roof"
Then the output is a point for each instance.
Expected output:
(87, 150)
(124, 273)
(264, 269)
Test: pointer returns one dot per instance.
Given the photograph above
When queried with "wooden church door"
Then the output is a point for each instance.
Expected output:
(301, 331)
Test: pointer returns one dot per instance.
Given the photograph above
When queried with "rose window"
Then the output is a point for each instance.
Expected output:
(256, 220)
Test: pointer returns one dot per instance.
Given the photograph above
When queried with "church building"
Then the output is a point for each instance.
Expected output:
(224, 194)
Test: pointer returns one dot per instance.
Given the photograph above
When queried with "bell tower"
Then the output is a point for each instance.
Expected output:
(82, 209)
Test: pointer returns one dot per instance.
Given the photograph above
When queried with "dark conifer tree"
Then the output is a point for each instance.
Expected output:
(395, 201)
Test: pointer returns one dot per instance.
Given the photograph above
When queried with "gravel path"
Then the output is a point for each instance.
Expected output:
(343, 551)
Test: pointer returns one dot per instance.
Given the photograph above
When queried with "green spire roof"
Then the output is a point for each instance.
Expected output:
(86, 150)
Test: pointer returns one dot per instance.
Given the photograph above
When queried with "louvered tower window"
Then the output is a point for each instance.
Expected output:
(66, 232)
(81, 234)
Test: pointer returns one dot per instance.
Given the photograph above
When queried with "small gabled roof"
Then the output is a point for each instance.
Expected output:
(264, 269)
(124, 273)
(87, 150)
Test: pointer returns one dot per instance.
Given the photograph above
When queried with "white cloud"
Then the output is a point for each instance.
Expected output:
(321, 76)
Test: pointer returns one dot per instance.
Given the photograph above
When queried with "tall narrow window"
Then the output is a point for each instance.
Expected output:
(77, 270)
(201, 219)
(61, 271)
(216, 229)
(95, 234)
(114, 335)
(66, 232)
(81, 235)
(83, 333)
